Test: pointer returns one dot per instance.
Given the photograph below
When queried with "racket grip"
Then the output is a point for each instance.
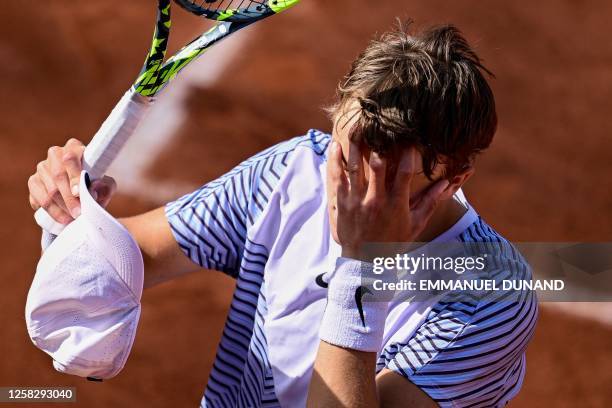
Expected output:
(102, 150)
(114, 132)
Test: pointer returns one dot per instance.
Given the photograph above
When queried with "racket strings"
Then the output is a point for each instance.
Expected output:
(224, 5)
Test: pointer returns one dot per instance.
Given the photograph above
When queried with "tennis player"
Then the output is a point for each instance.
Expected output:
(290, 224)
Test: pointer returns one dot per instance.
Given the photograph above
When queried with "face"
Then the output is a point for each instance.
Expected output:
(343, 122)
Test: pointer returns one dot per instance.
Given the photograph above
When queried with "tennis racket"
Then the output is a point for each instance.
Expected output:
(231, 16)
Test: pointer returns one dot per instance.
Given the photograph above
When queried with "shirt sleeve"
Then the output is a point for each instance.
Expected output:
(210, 224)
(468, 352)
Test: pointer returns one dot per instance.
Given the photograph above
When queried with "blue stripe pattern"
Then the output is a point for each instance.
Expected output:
(468, 353)
(210, 226)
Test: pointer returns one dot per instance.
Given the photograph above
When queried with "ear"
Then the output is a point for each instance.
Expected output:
(456, 182)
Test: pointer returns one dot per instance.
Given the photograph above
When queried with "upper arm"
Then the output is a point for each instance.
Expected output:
(395, 391)
(163, 258)
(210, 225)
(203, 229)
(466, 352)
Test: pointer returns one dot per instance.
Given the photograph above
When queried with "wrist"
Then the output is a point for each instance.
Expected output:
(353, 317)
(354, 252)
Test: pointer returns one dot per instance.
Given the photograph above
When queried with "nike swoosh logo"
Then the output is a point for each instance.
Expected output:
(359, 292)
(319, 281)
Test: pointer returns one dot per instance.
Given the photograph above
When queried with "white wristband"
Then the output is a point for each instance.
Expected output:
(352, 319)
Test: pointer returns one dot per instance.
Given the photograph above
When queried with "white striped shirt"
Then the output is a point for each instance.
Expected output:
(264, 223)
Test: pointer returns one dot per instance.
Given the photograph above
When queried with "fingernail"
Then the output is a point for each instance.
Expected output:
(94, 195)
(334, 146)
(76, 211)
(75, 190)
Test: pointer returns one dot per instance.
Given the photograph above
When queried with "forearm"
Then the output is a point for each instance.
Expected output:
(351, 334)
(343, 378)
(163, 259)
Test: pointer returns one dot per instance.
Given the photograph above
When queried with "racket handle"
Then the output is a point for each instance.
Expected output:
(102, 150)
(114, 132)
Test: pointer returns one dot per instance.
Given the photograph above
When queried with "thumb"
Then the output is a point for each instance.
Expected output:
(72, 164)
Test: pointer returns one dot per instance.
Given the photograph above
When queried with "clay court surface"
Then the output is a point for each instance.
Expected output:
(547, 176)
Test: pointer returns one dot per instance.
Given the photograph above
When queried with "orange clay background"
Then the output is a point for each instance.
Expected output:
(63, 65)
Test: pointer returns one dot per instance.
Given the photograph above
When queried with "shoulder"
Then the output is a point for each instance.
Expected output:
(504, 260)
(470, 346)
(481, 231)
(260, 173)
(264, 170)
(313, 142)
(282, 167)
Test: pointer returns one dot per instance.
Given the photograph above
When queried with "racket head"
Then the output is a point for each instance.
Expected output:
(235, 11)
(231, 16)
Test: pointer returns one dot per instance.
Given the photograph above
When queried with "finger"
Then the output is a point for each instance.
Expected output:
(33, 203)
(377, 168)
(336, 176)
(72, 159)
(355, 168)
(46, 178)
(38, 192)
(103, 190)
(429, 201)
(61, 180)
(335, 162)
(59, 214)
(406, 169)
(39, 198)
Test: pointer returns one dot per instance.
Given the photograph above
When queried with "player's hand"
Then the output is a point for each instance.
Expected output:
(378, 209)
(55, 185)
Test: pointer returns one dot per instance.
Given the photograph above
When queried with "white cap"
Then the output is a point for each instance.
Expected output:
(84, 303)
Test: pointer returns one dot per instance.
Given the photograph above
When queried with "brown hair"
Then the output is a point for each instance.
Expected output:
(425, 90)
